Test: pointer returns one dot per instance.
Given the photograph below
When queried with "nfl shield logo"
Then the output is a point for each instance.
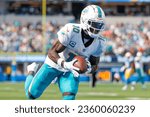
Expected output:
(84, 50)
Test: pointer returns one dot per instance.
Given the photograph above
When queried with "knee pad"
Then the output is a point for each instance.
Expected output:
(68, 96)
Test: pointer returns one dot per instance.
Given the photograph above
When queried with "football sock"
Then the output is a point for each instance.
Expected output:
(27, 83)
(69, 97)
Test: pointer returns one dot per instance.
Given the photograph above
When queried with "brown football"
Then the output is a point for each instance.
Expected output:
(81, 64)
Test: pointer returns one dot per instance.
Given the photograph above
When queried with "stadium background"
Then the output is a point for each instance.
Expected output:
(26, 34)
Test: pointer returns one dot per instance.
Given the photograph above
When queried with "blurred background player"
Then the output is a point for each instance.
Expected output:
(73, 39)
(139, 69)
(128, 70)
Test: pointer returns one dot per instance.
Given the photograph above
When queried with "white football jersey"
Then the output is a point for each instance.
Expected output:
(128, 61)
(70, 36)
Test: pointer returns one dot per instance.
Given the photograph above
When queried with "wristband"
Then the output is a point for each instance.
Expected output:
(59, 61)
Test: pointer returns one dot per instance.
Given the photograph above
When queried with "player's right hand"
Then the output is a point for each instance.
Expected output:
(89, 66)
(70, 66)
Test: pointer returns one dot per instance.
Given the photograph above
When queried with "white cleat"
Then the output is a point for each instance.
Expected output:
(144, 87)
(32, 67)
(125, 88)
(132, 88)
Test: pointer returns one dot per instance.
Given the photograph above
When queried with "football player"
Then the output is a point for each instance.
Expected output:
(128, 69)
(139, 69)
(82, 39)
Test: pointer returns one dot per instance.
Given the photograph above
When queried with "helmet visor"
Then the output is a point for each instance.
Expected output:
(96, 25)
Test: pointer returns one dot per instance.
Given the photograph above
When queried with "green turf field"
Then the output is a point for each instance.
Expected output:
(103, 91)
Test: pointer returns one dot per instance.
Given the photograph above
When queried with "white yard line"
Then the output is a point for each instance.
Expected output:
(99, 94)
(137, 98)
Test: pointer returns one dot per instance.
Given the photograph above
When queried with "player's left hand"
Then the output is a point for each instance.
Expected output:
(89, 67)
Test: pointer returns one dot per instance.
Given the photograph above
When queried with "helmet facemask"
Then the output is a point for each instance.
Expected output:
(94, 28)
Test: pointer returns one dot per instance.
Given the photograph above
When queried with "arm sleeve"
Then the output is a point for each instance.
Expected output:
(64, 35)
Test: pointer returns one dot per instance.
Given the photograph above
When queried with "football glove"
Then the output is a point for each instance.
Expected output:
(89, 67)
(69, 66)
